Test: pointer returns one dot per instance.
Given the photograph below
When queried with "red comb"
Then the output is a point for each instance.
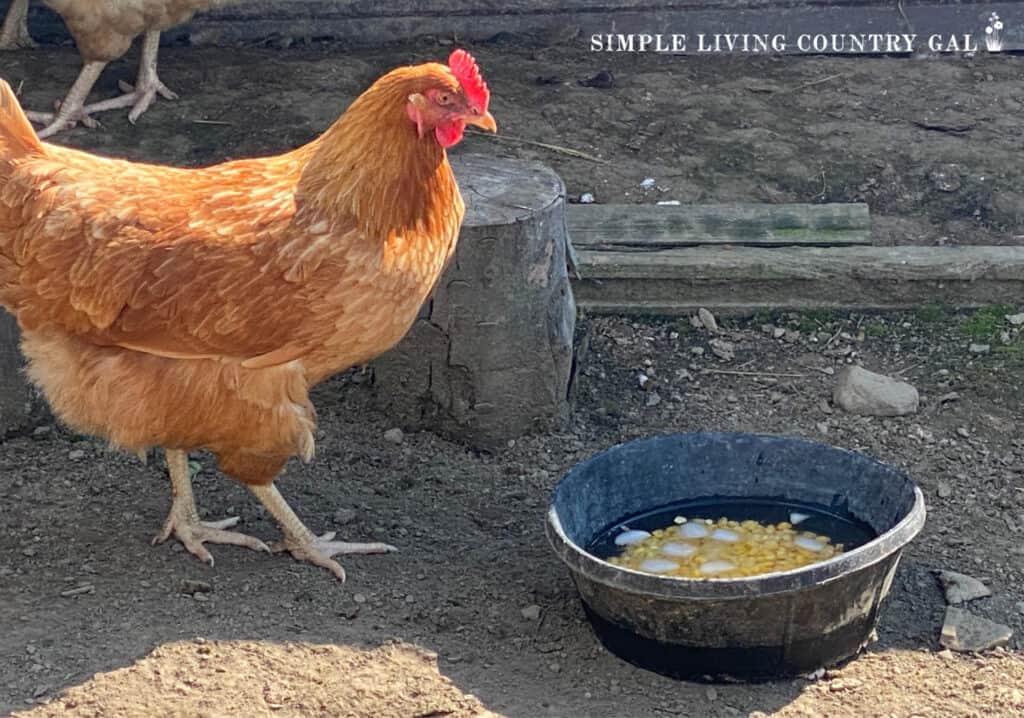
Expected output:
(463, 66)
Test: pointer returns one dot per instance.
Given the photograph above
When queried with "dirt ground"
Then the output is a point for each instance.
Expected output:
(83, 593)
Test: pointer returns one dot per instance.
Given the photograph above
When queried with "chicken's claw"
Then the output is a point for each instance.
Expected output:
(193, 533)
(144, 97)
(319, 550)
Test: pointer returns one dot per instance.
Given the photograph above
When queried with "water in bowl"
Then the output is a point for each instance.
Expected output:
(713, 537)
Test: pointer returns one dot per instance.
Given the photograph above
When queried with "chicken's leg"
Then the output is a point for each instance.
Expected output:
(184, 523)
(72, 109)
(14, 33)
(301, 543)
(147, 84)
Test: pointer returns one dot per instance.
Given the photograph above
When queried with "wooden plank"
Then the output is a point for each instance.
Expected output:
(647, 227)
(367, 22)
(677, 281)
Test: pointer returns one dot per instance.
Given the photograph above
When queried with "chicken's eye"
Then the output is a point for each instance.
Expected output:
(444, 98)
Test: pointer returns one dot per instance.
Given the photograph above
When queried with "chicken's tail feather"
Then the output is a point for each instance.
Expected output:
(17, 138)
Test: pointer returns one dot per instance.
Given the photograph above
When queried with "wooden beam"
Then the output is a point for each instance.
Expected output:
(647, 227)
(742, 280)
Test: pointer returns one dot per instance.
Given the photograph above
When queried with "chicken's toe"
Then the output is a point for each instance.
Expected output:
(319, 550)
(193, 534)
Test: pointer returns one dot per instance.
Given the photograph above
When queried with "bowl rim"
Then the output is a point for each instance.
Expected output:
(579, 561)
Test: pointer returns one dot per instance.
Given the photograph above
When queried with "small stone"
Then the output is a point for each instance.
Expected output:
(863, 392)
(555, 667)
(653, 399)
(944, 490)
(711, 693)
(531, 612)
(191, 587)
(1016, 319)
(708, 320)
(791, 336)
(643, 380)
(778, 333)
(962, 431)
(697, 351)
(961, 588)
(76, 455)
(822, 427)
(359, 598)
(344, 516)
(395, 436)
(964, 632)
(722, 349)
(979, 348)
(647, 183)
(587, 198)
(1020, 607)
(41, 432)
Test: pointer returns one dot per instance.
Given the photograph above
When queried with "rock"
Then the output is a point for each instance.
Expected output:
(76, 455)
(531, 612)
(946, 178)
(653, 399)
(961, 588)
(1015, 319)
(944, 490)
(41, 432)
(964, 632)
(697, 351)
(722, 349)
(791, 336)
(708, 320)
(191, 587)
(778, 333)
(979, 348)
(587, 198)
(647, 183)
(863, 392)
(395, 436)
(344, 516)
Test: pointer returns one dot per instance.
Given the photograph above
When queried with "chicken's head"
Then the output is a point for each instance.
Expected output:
(452, 100)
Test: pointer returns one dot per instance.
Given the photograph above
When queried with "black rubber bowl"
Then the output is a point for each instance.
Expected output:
(760, 628)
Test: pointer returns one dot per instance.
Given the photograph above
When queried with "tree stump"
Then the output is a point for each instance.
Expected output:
(490, 357)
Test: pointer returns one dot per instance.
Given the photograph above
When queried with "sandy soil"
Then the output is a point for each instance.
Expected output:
(283, 639)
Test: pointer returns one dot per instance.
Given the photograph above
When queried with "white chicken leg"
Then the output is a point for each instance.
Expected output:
(183, 520)
(302, 543)
(14, 33)
(140, 96)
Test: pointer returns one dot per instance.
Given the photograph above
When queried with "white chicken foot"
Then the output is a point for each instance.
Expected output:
(147, 84)
(14, 33)
(72, 110)
(302, 543)
(183, 520)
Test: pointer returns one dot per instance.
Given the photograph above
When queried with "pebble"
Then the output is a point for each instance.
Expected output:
(866, 393)
(697, 351)
(41, 432)
(722, 349)
(359, 598)
(778, 333)
(395, 436)
(587, 198)
(531, 612)
(76, 455)
(964, 632)
(944, 490)
(979, 348)
(647, 183)
(344, 516)
(961, 588)
(653, 399)
(669, 203)
(708, 320)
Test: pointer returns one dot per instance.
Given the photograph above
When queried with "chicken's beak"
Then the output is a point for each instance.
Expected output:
(484, 121)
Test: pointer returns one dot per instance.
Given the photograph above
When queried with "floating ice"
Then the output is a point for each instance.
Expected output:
(716, 567)
(678, 549)
(693, 530)
(808, 543)
(797, 518)
(658, 565)
(725, 535)
(631, 537)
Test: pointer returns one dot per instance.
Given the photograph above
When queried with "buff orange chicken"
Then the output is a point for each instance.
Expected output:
(195, 308)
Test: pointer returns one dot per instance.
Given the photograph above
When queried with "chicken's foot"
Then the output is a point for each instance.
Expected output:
(183, 520)
(14, 33)
(302, 544)
(72, 110)
(147, 85)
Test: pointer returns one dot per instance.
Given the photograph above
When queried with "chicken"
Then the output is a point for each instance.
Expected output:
(103, 31)
(188, 308)
(14, 32)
